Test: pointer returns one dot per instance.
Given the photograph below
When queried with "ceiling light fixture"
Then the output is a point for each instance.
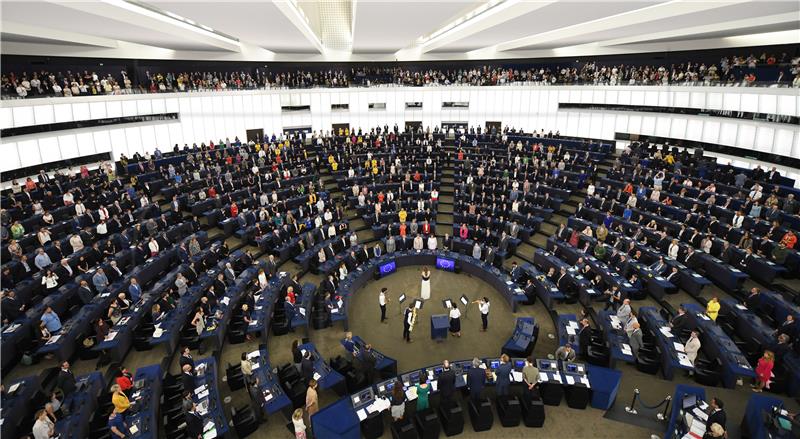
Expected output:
(481, 12)
(167, 16)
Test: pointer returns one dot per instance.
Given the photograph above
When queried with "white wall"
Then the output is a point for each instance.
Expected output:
(215, 115)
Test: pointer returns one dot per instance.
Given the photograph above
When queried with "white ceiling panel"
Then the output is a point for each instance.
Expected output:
(259, 23)
(390, 26)
(551, 17)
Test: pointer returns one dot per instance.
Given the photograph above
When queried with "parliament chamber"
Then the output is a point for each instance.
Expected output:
(229, 232)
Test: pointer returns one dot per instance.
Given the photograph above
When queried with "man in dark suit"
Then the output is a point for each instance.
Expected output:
(476, 379)
(367, 359)
(194, 423)
(753, 300)
(65, 379)
(716, 414)
(186, 358)
(187, 377)
(680, 323)
(307, 367)
(447, 382)
(585, 338)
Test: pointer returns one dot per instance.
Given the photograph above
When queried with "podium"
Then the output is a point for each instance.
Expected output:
(440, 323)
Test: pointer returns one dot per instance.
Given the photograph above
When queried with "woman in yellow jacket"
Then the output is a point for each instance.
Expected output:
(119, 399)
(712, 308)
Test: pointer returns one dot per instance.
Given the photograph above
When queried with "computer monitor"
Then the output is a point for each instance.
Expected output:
(689, 401)
(519, 364)
(572, 368)
(494, 364)
(445, 264)
(437, 370)
(387, 268)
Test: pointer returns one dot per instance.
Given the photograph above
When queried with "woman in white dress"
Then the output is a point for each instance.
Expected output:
(425, 289)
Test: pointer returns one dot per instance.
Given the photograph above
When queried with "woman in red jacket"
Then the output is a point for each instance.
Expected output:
(234, 210)
(764, 371)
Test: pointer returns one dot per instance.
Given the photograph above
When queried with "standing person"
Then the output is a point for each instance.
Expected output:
(455, 321)
(425, 288)
(423, 390)
(312, 400)
(382, 300)
(530, 375)
(398, 398)
(447, 382)
(503, 376)
(298, 424)
(483, 307)
(712, 308)
(43, 428)
(408, 320)
(476, 378)
(764, 371)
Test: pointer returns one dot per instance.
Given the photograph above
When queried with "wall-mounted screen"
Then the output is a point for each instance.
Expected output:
(446, 264)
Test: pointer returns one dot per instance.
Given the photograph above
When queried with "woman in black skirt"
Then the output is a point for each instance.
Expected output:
(455, 321)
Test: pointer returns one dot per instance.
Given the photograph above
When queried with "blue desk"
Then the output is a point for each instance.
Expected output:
(81, 406)
(717, 344)
(270, 396)
(671, 358)
(148, 401)
(387, 366)
(337, 421)
(19, 404)
(523, 339)
(675, 422)
(617, 339)
(605, 385)
(206, 379)
(567, 328)
(728, 278)
(754, 414)
(781, 306)
(326, 377)
(440, 324)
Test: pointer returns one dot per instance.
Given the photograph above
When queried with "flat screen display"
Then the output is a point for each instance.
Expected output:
(445, 264)
(388, 268)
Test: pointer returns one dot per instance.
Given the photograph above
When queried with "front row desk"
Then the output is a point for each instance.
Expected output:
(441, 260)
(578, 383)
(764, 416)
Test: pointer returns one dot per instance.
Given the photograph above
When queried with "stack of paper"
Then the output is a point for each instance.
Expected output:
(585, 381)
(362, 414)
(570, 380)
(666, 331)
(678, 347)
(411, 393)
(626, 349)
(543, 377)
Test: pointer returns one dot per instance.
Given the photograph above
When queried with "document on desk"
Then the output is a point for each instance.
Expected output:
(626, 349)
(53, 339)
(203, 395)
(570, 330)
(225, 300)
(570, 380)
(411, 393)
(516, 376)
(434, 385)
(133, 429)
(14, 388)
(254, 354)
(684, 360)
(700, 414)
(255, 366)
(111, 335)
(362, 414)
(543, 378)
(158, 333)
(678, 347)
(666, 331)
(200, 389)
(317, 376)
(585, 381)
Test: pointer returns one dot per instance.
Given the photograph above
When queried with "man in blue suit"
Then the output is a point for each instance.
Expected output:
(100, 281)
(503, 373)
(135, 290)
(290, 312)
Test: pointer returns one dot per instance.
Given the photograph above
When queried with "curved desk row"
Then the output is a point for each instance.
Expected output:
(499, 280)
(343, 418)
